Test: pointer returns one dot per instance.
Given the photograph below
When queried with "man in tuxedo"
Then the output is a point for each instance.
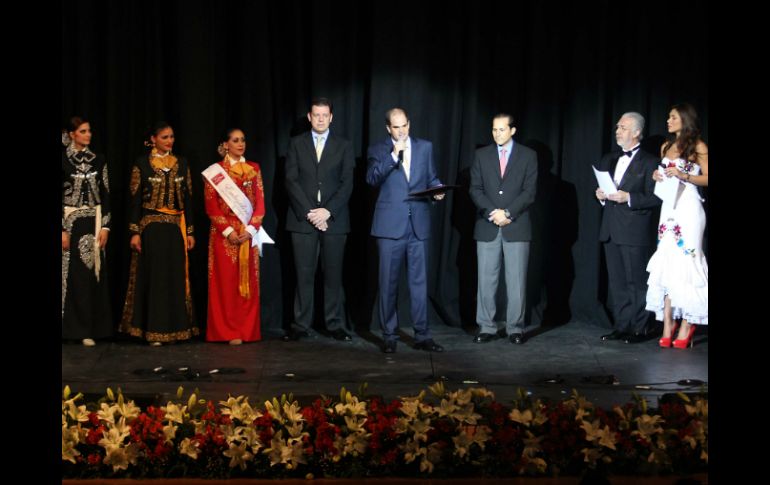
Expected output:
(319, 181)
(503, 184)
(400, 165)
(626, 229)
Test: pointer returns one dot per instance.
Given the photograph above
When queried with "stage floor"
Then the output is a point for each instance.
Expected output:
(550, 364)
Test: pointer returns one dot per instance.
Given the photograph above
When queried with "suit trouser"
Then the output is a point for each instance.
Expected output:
(307, 248)
(627, 275)
(392, 254)
(515, 257)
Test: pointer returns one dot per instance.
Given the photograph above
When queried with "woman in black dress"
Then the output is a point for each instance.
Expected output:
(85, 230)
(158, 302)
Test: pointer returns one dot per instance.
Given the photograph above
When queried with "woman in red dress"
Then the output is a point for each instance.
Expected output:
(233, 183)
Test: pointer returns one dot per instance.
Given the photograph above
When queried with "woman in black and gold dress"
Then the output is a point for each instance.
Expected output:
(158, 302)
(85, 298)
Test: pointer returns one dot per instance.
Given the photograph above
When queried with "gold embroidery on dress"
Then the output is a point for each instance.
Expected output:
(126, 322)
(163, 337)
(219, 220)
(158, 218)
(208, 191)
(212, 239)
(136, 178)
(257, 219)
(164, 185)
(154, 192)
(231, 250)
(189, 183)
(128, 308)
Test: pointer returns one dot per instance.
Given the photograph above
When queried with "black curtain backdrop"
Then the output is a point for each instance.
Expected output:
(565, 70)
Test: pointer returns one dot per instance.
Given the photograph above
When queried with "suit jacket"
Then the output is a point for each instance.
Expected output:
(515, 191)
(394, 206)
(631, 225)
(332, 175)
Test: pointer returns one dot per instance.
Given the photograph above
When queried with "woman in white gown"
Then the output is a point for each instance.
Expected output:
(678, 283)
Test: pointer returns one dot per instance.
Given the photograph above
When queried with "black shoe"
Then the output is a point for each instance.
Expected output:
(342, 335)
(390, 347)
(293, 335)
(516, 338)
(635, 338)
(429, 345)
(484, 338)
(615, 335)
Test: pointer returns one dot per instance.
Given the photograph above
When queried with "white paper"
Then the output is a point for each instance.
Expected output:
(262, 238)
(605, 181)
(667, 189)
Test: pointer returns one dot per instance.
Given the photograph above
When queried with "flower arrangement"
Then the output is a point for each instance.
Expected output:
(439, 434)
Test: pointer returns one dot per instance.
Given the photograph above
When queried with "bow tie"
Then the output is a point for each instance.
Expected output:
(628, 153)
(82, 156)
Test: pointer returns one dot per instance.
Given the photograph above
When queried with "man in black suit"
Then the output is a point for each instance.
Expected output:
(503, 184)
(319, 181)
(626, 228)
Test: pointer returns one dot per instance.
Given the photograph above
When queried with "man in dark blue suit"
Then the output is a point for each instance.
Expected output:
(399, 166)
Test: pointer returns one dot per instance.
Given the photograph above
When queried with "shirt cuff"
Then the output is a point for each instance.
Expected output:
(629, 200)
(251, 230)
(227, 231)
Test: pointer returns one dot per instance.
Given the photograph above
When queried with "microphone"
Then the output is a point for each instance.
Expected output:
(400, 160)
(400, 154)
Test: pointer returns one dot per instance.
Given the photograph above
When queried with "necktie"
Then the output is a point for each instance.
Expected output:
(503, 162)
(319, 147)
(628, 153)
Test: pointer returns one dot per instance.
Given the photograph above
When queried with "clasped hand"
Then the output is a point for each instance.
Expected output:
(237, 239)
(319, 218)
(498, 218)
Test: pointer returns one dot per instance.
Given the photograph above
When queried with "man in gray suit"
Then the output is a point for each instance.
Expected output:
(503, 181)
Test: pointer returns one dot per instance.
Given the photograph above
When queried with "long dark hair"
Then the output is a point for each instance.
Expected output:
(690, 134)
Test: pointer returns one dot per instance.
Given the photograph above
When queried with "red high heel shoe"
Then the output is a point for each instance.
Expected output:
(665, 342)
(687, 342)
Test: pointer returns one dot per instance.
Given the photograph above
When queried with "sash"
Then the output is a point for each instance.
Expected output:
(236, 200)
